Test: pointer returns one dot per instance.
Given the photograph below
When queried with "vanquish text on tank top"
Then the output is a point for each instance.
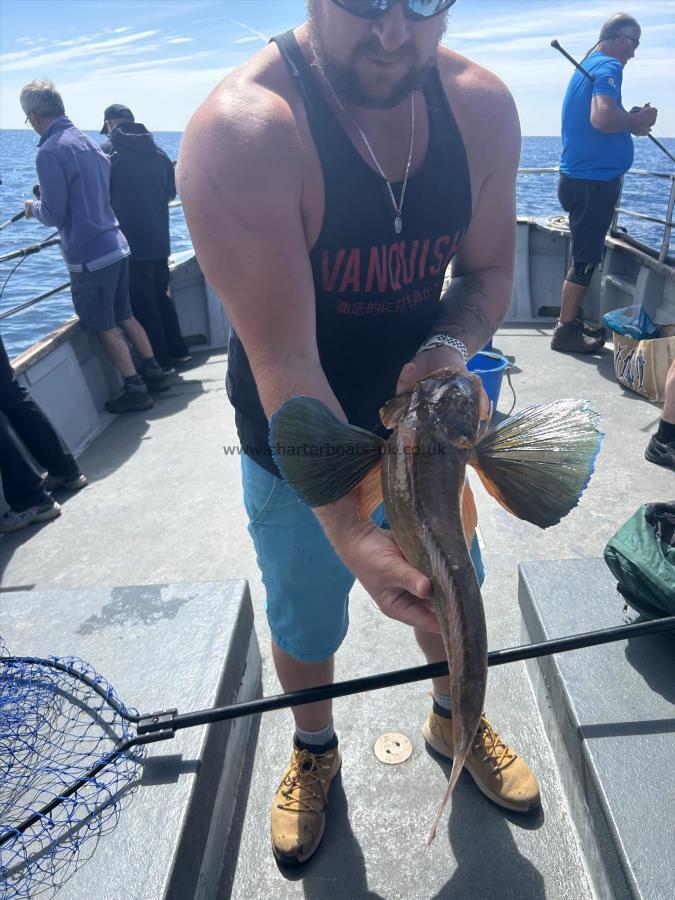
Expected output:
(356, 274)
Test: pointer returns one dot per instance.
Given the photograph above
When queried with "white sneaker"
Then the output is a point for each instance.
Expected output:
(14, 520)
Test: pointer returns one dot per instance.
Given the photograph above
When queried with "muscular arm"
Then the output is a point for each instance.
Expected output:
(479, 294)
(240, 180)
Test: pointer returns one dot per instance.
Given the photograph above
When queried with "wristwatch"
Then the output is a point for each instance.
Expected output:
(444, 340)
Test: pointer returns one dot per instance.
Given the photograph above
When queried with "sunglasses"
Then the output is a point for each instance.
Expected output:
(629, 37)
(414, 10)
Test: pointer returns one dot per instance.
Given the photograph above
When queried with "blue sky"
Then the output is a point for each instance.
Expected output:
(162, 57)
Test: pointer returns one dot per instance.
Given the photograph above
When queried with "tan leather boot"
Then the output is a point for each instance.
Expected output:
(299, 808)
(498, 771)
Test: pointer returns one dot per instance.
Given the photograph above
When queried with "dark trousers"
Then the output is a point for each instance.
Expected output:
(154, 309)
(21, 484)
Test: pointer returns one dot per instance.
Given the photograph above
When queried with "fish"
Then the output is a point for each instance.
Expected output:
(536, 464)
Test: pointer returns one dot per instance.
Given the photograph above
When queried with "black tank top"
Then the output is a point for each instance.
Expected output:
(377, 292)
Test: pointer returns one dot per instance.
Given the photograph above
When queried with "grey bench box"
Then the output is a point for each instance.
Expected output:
(609, 716)
(190, 646)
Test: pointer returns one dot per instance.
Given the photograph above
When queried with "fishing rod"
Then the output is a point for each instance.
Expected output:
(591, 78)
(28, 303)
(15, 218)
(20, 215)
(33, 248)
(24, 252)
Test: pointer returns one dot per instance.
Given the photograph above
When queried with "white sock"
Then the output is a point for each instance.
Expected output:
(444, 701)
(316, 738)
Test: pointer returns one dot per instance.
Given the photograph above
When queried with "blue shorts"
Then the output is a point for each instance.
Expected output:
(306, 583)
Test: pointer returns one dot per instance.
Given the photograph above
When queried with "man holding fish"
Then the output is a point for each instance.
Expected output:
(327, 183)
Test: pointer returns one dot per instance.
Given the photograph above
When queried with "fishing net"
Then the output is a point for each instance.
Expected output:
(54, 730)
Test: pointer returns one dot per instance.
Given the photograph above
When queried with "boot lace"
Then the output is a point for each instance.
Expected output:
(303, 786)
(496, 751)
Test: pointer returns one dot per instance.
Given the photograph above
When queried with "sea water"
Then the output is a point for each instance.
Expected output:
(25, 279)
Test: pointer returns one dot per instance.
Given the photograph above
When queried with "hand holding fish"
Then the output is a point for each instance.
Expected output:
(399, 590)
(425, 363)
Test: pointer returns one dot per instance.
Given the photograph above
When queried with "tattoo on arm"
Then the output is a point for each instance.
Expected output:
(463, 313)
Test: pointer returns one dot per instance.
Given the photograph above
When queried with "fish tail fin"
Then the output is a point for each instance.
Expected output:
(538, 462)
(465, 711)
(321, 457)
(457, 766)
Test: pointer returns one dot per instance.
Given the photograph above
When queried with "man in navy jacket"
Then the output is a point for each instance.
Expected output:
(142, 183)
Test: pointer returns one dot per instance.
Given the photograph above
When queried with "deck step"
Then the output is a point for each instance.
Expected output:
(608, 712)
(190, 646)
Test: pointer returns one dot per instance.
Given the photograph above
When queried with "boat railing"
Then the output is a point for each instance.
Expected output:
(37, 248)
(667, 224)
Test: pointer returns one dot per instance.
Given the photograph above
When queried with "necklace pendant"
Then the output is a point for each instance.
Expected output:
(398, 224)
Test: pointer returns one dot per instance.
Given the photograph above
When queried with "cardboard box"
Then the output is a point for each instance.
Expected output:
(642, 366)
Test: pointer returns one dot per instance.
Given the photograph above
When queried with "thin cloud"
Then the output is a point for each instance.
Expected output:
(104, 59)
(254, 34)
(28, 60)
(547, 19)
(154, 63)
(177, 40)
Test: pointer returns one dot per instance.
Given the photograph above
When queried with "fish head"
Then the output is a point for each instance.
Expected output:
(447, 406)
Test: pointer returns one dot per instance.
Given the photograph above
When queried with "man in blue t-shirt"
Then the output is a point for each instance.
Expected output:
(597, 151)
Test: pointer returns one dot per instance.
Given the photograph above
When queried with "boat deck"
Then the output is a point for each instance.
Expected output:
(164, 505)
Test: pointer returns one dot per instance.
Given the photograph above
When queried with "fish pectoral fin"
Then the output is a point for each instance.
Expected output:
(538, 462)
(321, 457)
(391, 412)
(369, 492)
(469, 513)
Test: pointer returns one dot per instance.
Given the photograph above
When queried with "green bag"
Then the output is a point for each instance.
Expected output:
(641, 556)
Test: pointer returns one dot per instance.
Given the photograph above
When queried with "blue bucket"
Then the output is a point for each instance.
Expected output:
(490, 367)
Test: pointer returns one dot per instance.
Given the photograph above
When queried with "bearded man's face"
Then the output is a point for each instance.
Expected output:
(373, 63)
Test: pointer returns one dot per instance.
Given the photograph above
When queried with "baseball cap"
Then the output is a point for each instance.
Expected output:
(116, 111)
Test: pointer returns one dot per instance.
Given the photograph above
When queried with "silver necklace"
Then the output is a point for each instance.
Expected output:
(398, 207)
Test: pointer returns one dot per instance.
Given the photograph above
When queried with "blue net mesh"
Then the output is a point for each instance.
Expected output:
(53, 730)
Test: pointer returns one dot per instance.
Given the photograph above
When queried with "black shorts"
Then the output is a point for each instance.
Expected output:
(590, 205)
(101, 298)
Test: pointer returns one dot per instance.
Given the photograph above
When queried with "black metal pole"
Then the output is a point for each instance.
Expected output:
(165, 720)
(588, 75)
(15, 218)
(22, 306)
(576, 65)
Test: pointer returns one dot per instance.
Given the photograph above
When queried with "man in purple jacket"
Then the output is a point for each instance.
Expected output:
(74, 176)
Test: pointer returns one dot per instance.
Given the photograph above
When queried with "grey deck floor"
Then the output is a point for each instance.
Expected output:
(164, 506)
